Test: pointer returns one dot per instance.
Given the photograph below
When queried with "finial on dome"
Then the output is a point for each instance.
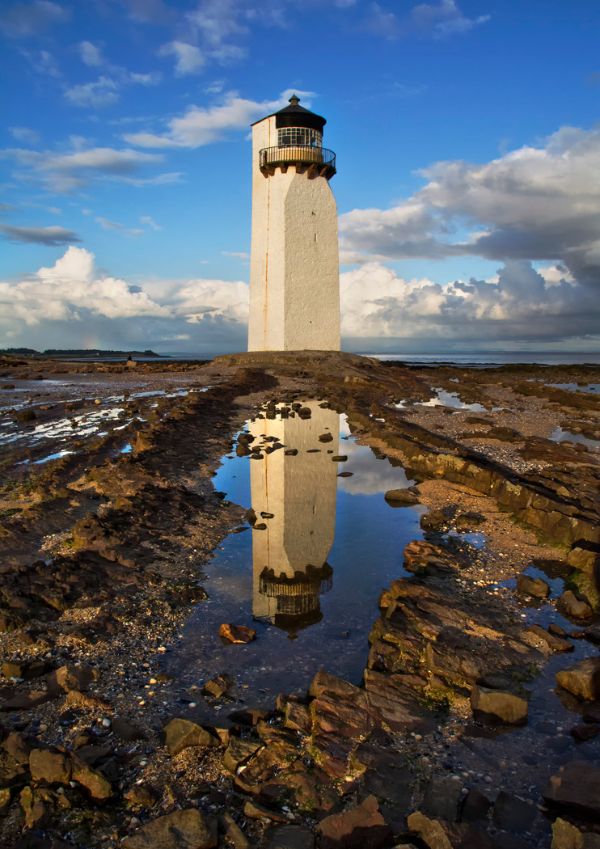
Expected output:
(294, 100)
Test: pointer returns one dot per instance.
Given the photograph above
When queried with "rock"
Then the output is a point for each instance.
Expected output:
(565, 835)
(180, 734)
(290, 452)
(217, 687)
(573, 607)
(304, 412)
(237, 634)
(69, 678)
(4, 800)
(430, 831)
(25, 699)
(238, 751)
(535, 587)
(585, 731)
(583, 559)
(51, 767)
(548, 640)
(500, 706)
(362, 827)
(94, 782)
(326, 437)
(140, 796)
(400, 497)
(233, 833)
(437, 520)
(126, 730)
(576, 788)
(339, 458)
(475, 807)
(581, 680)
(512, 813)
(297, 717)
(187, 829)
(254, 811)
(290, 837)
(443, 797)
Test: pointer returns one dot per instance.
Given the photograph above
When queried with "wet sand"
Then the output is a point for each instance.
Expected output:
(110, 528)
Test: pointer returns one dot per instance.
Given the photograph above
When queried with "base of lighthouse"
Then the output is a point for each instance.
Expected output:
(294, 275)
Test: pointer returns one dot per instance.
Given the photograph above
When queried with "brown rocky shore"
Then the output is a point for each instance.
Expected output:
(477, 719)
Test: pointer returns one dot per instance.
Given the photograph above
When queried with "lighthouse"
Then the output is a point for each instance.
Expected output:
(294, 269)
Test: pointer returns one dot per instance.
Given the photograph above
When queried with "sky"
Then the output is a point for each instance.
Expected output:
(467, 137)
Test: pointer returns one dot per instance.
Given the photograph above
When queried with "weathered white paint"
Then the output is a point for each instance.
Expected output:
(301, 493)
(294, 269)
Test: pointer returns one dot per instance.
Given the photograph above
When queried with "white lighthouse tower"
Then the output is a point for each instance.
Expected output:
(294, 273)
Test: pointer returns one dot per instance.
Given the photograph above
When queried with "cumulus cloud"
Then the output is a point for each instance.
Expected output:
(520, 304)
(534, 203)
(72, 289)
(40, 235)
(73, 301)
(24, 134)
(199, 125)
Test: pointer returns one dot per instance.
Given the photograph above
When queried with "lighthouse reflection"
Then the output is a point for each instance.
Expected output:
(295, 497)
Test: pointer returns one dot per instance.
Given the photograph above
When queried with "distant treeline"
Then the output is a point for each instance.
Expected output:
(75, 352)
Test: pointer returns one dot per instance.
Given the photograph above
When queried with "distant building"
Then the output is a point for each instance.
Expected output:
(294, 272)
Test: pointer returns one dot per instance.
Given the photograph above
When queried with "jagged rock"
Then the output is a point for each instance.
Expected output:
(475, 807)
(254, 811)
(430, 831)
(297, 717)
(68, 678)
(17, 747)
(401, 497)
(94, 782)
(187, 829)
(48, 766)
(565, 835)
(237, 634)
(140, 796)
(535, 587)
(584, 559)
(238, 751)
(218, 686)
(576, 788)
(362, 827)
(233, 833)
(498, 705)
(127, 731)
(545, 640)
(180, 734)
(442, 798)
(573, 607)
(582, 680)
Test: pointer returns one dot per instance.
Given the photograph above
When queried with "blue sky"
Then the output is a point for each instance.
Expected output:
(125, 136)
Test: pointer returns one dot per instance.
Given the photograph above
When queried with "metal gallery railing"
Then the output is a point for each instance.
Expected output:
(299, 154)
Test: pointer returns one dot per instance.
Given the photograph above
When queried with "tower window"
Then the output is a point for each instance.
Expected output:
(299, 137)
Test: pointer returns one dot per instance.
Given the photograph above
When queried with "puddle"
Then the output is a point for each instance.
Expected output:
(576, 387)
(310, 582)
(56, 456)
(560, 435)
(442, 398)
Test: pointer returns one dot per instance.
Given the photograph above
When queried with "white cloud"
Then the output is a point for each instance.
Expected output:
(534, 203)
(443, 19)
(24, 134)
(203, 125)
(71, 290)
(188, 58)
(107, 224)
(90, 54)
(101, 92)
(150, 222)
(65, 172)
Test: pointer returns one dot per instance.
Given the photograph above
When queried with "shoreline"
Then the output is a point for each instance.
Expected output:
(97, 514)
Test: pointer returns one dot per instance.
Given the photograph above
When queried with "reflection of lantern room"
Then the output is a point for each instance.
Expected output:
(299, 143)
(296, 600)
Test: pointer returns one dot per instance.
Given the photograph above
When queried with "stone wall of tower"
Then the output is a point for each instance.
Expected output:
(294, 269)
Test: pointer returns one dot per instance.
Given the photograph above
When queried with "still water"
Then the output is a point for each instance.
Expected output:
(309, 583)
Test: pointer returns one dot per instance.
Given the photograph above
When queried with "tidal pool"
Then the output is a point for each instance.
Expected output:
(309, 583)
(561, 435)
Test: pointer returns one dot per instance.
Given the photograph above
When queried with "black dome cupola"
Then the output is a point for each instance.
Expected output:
(295, 115)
